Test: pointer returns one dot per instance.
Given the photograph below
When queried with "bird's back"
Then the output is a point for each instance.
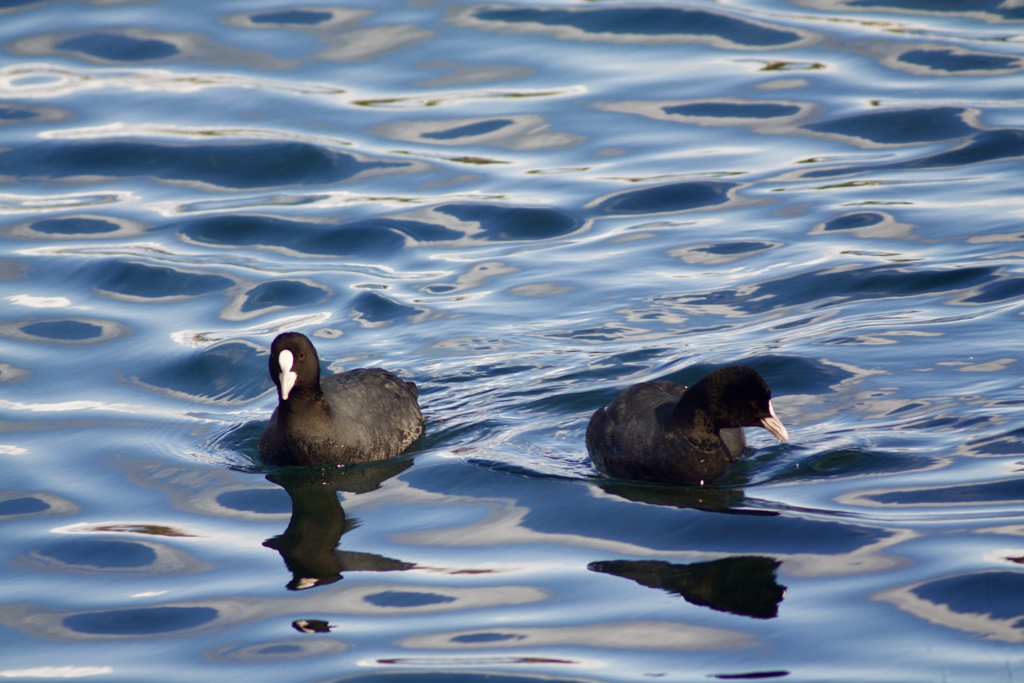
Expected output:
(373, 411)
(635, 438)
(366, 414)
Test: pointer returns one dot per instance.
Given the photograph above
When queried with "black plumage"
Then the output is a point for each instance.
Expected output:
(356, 416)
(662, 432)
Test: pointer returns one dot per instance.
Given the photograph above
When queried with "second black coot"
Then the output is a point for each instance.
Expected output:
(356, 416)
(662, 432)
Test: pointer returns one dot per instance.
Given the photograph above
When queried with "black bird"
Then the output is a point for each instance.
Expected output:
(662, 432)
(355, 416)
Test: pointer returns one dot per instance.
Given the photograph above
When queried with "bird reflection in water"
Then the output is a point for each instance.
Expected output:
(743, 585)
(309, 546)
(708, 498)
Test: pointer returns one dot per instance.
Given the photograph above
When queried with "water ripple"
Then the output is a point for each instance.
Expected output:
(595, 195)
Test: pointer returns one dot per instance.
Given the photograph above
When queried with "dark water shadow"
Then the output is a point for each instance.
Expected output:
(945, 60)
(987, 604)
(900, 126)
(116, 47)
(969, 284)
(381, 238)
(149, 621)
(743, 585)
(850, 461)
(453, 675)
(64, 331)
(1001, 144)
(219, 373)
(642, 24)
(241, 164)
(120, 277)
(309, 545)
(706, 498)
(665, 198)
(1003, 10)
(291, 17)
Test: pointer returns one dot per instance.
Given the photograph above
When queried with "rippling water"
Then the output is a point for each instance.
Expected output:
(523, 208)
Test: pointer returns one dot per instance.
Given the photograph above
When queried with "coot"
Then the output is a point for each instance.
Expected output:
(665, 433)
(355, 416)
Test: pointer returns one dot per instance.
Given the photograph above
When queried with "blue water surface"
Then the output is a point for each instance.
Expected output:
(523, 208)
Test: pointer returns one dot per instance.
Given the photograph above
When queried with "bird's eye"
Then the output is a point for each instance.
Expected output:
(302, 355)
